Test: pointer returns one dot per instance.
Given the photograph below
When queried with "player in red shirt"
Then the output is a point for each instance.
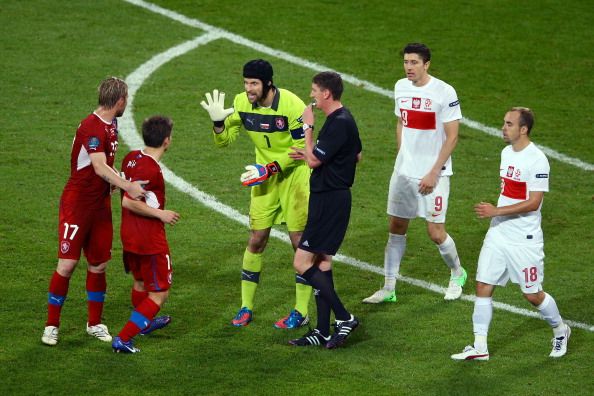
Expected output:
(85, 210)
(146, 251)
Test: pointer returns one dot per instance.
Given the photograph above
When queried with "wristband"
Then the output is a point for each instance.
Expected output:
(219, 124)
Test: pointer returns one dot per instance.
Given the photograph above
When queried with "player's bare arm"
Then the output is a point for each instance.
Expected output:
(141, 208)
(487, 210)
(398, 133)
(107, 173)
(429, 181)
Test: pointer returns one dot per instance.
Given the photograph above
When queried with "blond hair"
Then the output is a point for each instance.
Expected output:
(111, 90)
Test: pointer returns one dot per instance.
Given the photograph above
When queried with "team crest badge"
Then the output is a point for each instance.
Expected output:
(64, 247)
(416, 103)
(427, 104)
(280, 123)
(518, 173)
(510, 171)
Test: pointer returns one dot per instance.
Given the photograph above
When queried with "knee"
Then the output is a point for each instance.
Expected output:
(97, 268)
(484, 289)
(437, 234)
(398, 226)
(66, 267)
(138, 285)
(160, 297)
(257, 243)
(535, 299)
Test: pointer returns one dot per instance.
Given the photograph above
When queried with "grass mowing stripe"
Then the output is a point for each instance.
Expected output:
(347, 77)
(131, 137)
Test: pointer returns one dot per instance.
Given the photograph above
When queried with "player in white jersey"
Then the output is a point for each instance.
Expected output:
(513, 246)
(428, 113)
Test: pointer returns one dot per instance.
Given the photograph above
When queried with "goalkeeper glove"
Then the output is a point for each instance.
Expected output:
(257, 174)
(216, 107)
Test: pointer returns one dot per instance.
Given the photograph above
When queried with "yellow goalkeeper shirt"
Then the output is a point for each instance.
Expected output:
(273, 129)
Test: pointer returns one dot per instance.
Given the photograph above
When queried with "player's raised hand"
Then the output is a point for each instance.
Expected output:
(215, 106)
(169, 217)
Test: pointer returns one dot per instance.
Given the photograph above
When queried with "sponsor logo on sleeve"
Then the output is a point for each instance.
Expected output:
(454, 104)
(542, 175)
(93, 143)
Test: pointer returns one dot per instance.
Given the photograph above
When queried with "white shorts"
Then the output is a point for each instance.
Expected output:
(501, 261)
(405, 201)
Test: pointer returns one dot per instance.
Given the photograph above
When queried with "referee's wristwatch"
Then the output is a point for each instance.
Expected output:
(307, 126)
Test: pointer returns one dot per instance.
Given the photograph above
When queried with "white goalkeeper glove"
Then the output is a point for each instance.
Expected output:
(216, 107)
(257, 174)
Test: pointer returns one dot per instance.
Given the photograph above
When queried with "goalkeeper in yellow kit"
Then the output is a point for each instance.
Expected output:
(279, 185)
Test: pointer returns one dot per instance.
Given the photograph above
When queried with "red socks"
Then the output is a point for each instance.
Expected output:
(96, 286)
(141, 317)
(58, 289)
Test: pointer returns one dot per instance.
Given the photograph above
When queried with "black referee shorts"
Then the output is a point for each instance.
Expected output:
(327, 221)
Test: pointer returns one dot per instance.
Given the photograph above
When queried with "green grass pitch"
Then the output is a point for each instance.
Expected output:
(497, 54)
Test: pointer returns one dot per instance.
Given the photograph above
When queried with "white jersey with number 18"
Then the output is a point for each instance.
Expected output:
(521, 172)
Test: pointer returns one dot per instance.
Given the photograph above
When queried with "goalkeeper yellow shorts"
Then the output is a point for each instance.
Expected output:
(282, 199)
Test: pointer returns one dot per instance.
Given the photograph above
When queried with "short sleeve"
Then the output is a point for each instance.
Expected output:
(539, 175)
(450, 106)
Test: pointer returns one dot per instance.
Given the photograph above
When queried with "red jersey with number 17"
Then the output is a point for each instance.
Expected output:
(141, 234)
(84, 187)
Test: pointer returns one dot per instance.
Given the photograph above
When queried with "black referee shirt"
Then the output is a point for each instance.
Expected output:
(337, 147)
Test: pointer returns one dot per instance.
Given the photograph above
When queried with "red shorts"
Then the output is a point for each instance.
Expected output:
(154, 270)
(88, 229)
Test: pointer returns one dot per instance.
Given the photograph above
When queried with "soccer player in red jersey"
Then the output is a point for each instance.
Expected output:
(146, 251)
(85, 209)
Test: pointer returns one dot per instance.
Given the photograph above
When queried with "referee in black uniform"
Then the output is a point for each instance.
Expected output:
(333, 157)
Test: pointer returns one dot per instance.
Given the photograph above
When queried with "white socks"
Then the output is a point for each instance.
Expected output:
(549, 312)
(481, 319)
(393, 255)
(450, 255)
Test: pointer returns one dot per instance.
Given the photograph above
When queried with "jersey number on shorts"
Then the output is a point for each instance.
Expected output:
(530, 274)
(68, 227)
(438, 203)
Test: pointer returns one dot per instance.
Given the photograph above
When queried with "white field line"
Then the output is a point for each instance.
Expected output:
(368, 86)
(131, 137)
